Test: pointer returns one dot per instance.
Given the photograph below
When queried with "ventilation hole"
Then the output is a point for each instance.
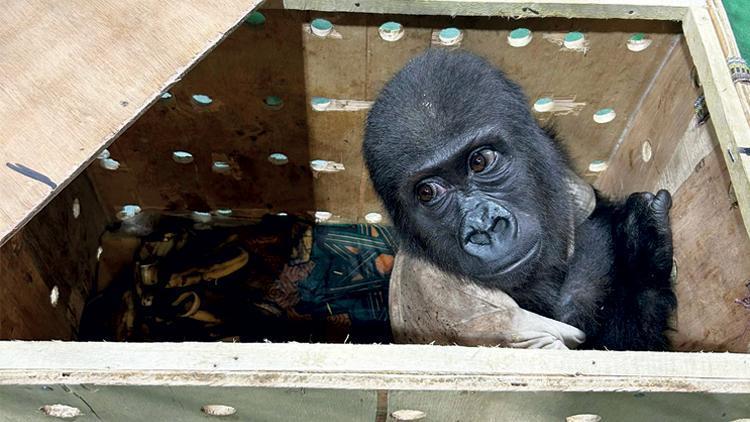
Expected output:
(520, 37)
(391, 31)
(322, 216)
(60, 411)
(76, 208)
(673, 274)
(224, 212)
(128, 211)
(646, 151)
(325, 166)
(374, 218)
(99, 252)
(272, 102)
(408, 415)
(201, 217)
(182, 157)
(218, 410)
(166, 96)
(574, 40)
(221, 167)
(278, 159)
(255, 19)
(450, 36)
(202, 99)
(321, 27)
(597, 166)
(109, 164)
(630, 12)
(282, 214)
(320, 103)
(54, 296)
(583, 418)
(604, 115)
(103, 155)
(544, 105)
(638, 42)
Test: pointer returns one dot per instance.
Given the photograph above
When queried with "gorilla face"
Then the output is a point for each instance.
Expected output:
(464, 210)
(470, 180)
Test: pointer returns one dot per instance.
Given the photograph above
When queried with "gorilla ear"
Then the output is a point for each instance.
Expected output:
(584, 198)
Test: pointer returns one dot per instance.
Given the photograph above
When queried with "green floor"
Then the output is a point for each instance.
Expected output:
(739, 16)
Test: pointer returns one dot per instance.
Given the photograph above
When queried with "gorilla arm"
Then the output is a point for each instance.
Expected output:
(428, 305)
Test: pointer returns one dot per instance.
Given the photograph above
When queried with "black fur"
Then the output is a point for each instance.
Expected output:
(508, 225)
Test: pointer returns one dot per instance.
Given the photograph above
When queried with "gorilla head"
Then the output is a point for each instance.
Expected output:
(470, 180)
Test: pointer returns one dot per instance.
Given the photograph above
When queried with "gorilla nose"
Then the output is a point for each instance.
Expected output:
(485, 223)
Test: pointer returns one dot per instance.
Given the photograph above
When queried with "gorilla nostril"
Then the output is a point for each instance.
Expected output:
(499, 225)
(479, 238)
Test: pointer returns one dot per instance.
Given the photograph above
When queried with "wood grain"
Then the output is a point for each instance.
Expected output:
(75, 74)
(54, 249)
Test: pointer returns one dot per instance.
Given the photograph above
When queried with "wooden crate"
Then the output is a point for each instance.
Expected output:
(82, 76)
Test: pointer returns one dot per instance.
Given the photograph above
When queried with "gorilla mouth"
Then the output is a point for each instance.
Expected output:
(531, 253)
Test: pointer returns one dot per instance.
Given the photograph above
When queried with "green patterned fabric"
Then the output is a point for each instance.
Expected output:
(739, 17)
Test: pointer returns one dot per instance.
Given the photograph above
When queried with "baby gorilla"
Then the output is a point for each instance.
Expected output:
(474, 185)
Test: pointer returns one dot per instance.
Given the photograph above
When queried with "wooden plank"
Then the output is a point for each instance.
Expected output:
(609, 9)
(723, 100)
(55, 251)
(545, 407)
(661, 120)
(184, 404)
(370, 367)
(76, 74)
(711, 250)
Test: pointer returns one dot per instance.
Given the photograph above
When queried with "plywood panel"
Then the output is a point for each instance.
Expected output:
(661, 121)
(253, 63)
(711, 250)
(76, 73)
(55, 250)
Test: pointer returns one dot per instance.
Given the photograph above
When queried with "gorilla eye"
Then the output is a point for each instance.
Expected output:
(428, 192)
(480, 160)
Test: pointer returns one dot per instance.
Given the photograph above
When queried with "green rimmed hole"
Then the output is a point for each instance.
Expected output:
(255, 19)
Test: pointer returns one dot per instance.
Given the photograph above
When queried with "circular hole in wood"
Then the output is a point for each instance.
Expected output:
(638, 42)
(128, 211)
(597, 166)
(76, 208)
(166, 96)
(273, 102)
(61, 411)
(321, 27)
(391, 31)
(450, 36)
(646, 151)
(282, 214)
(604, 115)
(201, 217)
(278, 159)
(99, 252)
(221, 167)
(255, 19)
(109, 164)
(519, 37)
(224, 212)
(574, 40)
(320, 103)
(322, 216)
(374, 218)
(584, 418)
(408, 415)
(54, 296)
(544, 105)
(182, 157)
(202, 99)
(218, 410)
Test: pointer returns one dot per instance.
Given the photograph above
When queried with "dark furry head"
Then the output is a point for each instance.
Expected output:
(439, 103)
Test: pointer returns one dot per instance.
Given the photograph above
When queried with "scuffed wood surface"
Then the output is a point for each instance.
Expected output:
(76, 73)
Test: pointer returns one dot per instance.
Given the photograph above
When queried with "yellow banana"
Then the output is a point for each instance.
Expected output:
(213, 272)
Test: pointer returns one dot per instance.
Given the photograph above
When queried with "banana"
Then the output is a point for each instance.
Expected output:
(213, 272)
